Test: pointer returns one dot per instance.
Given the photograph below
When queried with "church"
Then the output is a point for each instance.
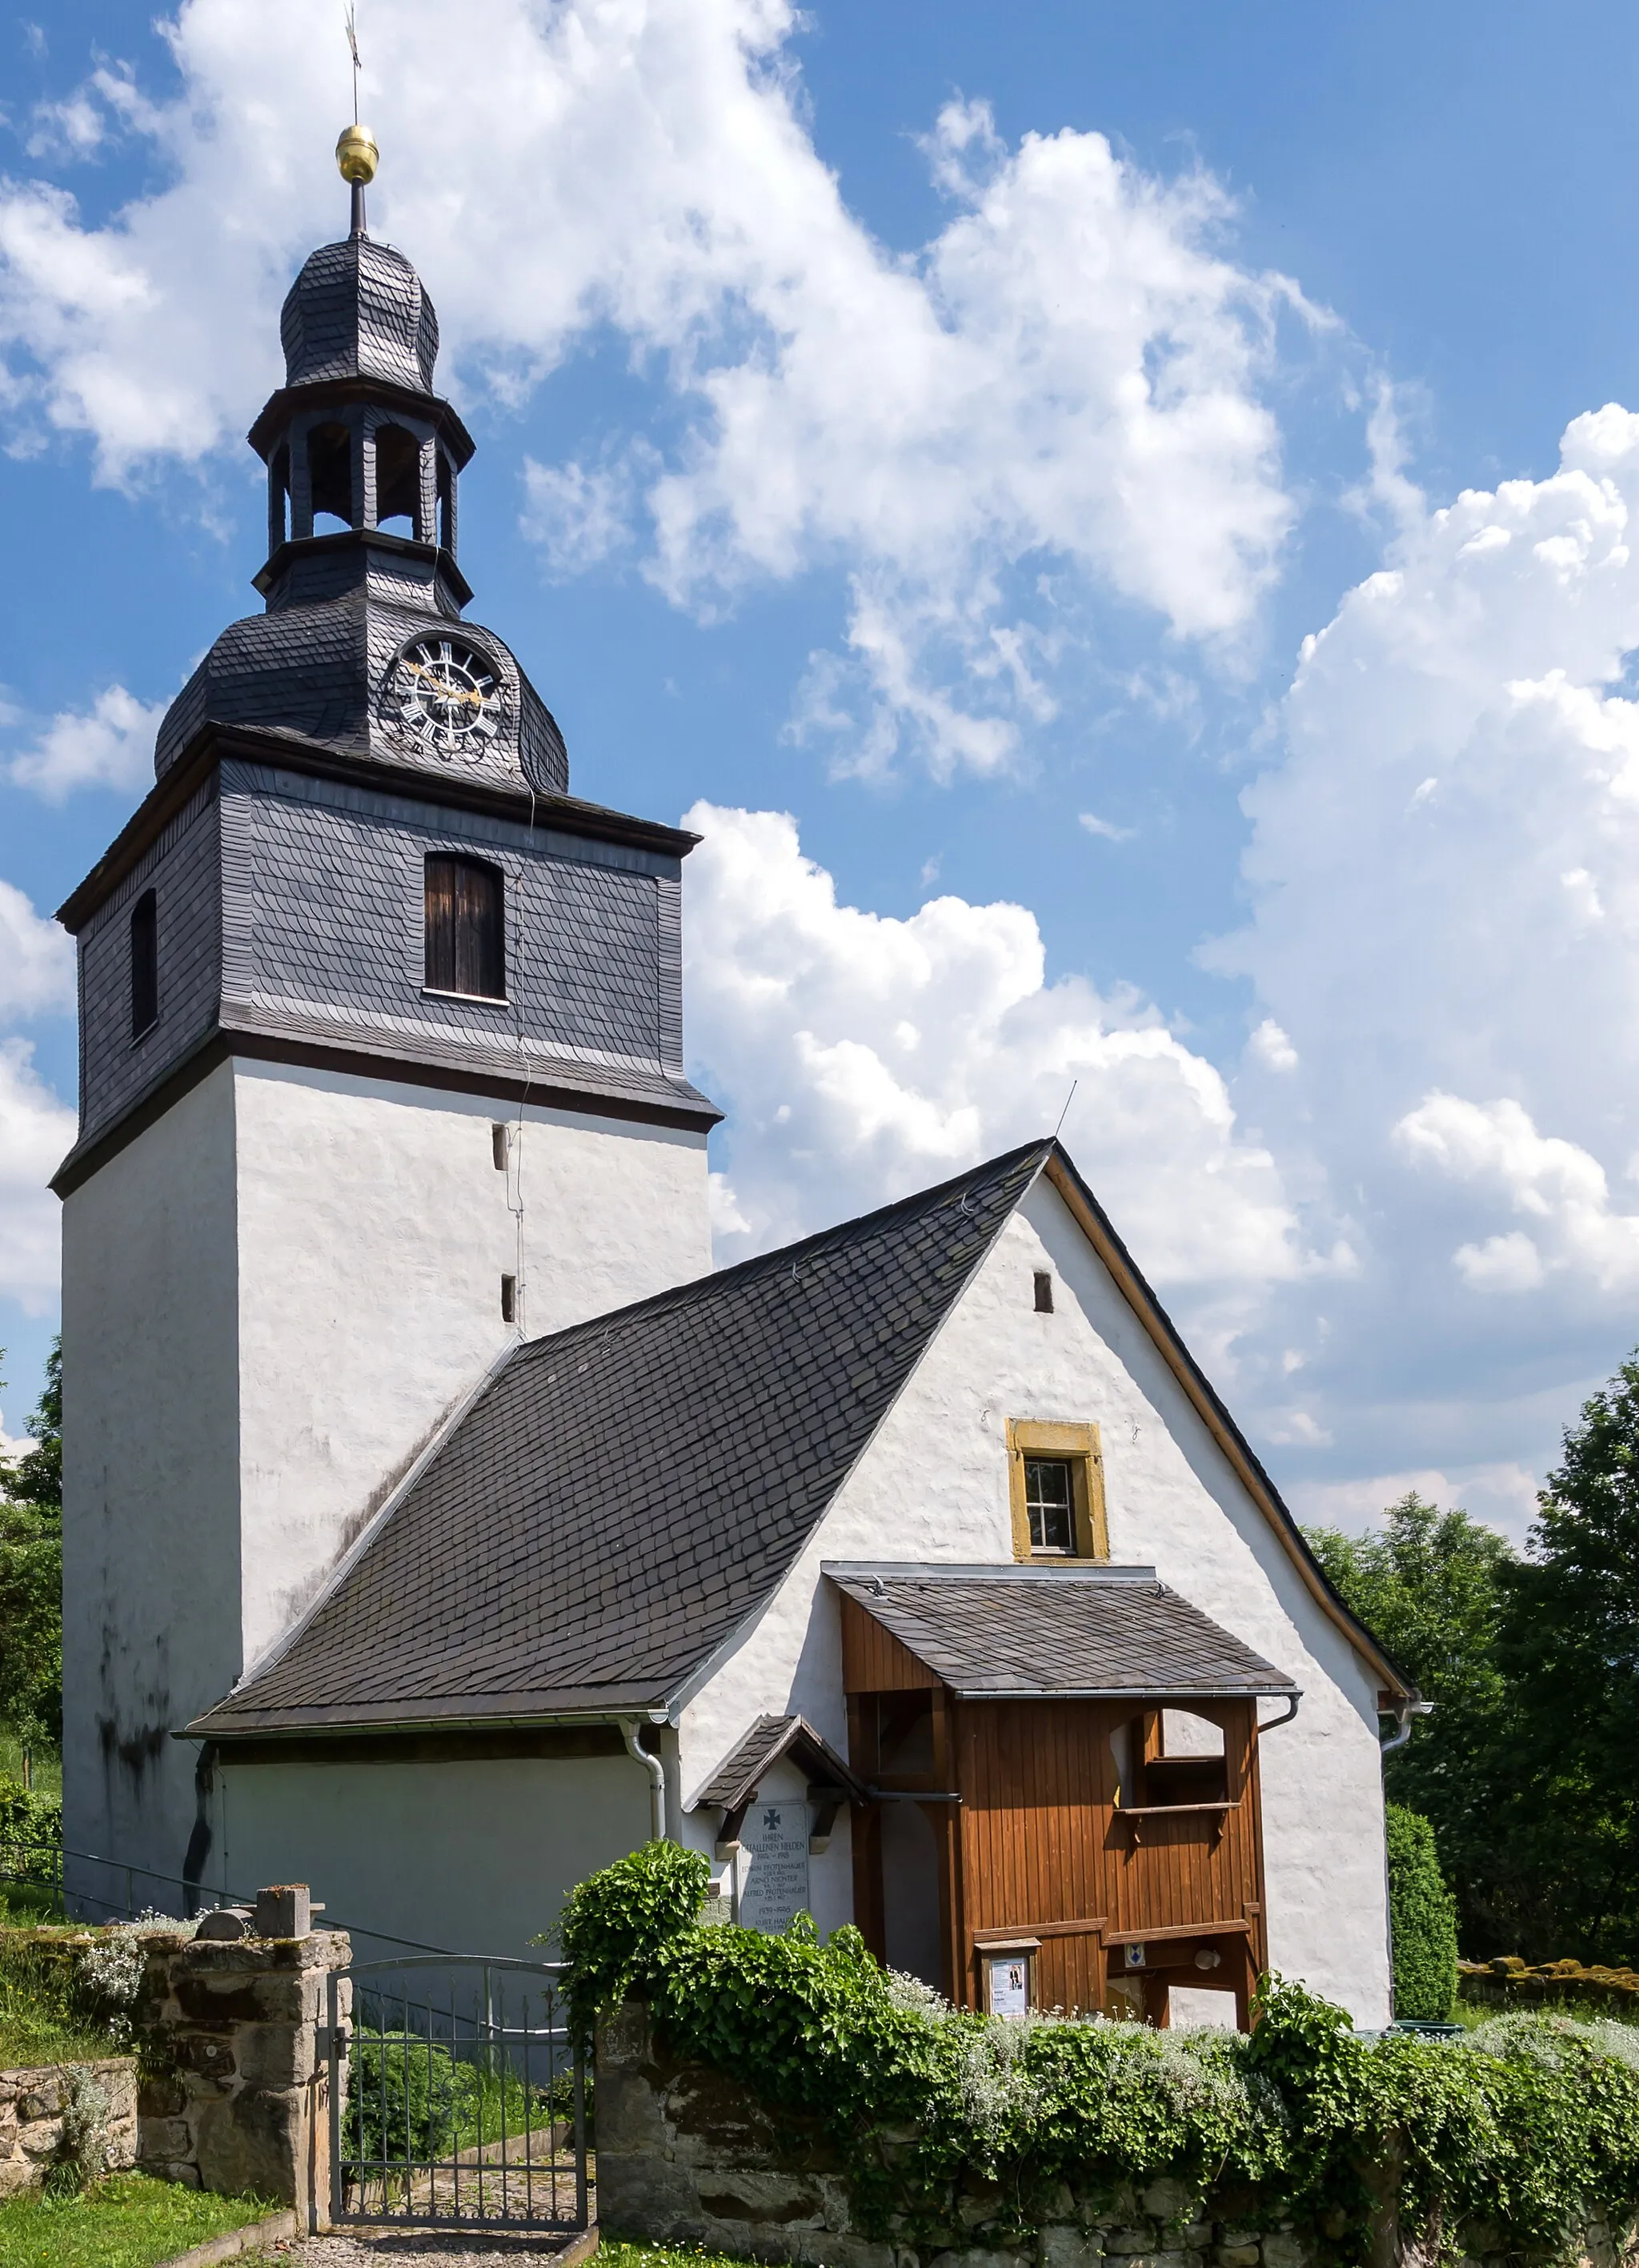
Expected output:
(438, 1525)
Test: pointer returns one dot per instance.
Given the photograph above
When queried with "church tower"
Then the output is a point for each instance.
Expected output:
(380, 1066)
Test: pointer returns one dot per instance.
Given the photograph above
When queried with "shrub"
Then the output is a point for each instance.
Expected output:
(1532, 2124)
(1423, 1920)
(405, 2095)
(410, 2097)
(30, 1827)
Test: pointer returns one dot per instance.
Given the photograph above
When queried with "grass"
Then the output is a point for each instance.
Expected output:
(45, 1763)
(1473, 2013)
(128, 2220)
(40, 2022)
(613, 2254)
(22, 1905)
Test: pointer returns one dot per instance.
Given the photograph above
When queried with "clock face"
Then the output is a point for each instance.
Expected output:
(446, 697)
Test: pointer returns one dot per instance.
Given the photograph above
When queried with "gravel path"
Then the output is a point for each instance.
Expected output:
(468, 2249)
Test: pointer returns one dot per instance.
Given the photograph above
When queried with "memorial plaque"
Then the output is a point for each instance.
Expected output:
(774, 1865)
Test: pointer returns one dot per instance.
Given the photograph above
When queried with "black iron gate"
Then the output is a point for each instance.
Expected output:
(457, 2095)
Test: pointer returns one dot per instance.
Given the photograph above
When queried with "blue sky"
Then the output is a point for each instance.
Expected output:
(923, 439)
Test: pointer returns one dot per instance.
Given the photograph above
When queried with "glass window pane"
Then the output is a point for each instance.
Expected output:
(1049, 1502)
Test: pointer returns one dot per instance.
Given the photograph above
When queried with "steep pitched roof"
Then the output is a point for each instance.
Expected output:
(1008, 1632)
(623, 1494)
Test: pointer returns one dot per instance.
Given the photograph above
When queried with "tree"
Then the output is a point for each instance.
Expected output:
(1570, 1647)
(31, 1575)
(37, 1478)
(1430, 1586)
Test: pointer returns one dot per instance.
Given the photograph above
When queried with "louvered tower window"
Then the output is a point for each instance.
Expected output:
(465, 936)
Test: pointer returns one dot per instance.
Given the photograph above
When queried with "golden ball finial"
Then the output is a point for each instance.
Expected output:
(356, 154)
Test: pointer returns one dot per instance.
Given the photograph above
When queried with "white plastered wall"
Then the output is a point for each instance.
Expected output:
(374, 1231)
(272, 1297)
(933, 1486)
(150, 1538)
(468, 1857)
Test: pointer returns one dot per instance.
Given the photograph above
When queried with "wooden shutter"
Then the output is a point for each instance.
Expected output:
(465, 942)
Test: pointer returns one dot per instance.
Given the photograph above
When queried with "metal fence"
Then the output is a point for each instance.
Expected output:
(457, 2095)
(68, 1885)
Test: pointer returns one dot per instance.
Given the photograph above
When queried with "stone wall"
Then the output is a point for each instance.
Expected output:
(235, 2088)
(686, 2155)
(230, 2088)
(32, 2104)
(1508, 1983)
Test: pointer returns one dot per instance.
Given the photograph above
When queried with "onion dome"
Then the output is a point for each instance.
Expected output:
(358, 310)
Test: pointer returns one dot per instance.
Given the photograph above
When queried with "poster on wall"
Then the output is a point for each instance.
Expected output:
(774, 1865)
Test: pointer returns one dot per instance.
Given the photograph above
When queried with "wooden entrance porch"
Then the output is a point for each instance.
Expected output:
(1088, 1850)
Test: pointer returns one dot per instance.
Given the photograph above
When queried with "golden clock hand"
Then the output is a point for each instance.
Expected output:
(446, 691)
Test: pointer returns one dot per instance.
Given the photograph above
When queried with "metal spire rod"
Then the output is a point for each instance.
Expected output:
(358, 180)
(355, 153)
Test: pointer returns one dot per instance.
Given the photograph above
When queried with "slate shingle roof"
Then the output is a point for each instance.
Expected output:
(736, 1779)
(622, 1494)
(358, 309)
(1056, 1630)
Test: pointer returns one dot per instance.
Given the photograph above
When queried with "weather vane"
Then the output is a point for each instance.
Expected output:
(356, 152)
(352, 40)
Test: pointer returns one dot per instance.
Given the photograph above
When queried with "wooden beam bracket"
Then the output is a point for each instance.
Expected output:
(828, 1802)
(733, 1820)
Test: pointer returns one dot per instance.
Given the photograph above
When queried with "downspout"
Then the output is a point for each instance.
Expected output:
(655, 1770)
(1412, 1705)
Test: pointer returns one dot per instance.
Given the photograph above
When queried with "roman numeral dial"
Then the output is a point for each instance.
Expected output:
(444, 697)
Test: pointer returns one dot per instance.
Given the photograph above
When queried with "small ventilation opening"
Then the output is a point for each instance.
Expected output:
(497, 1144)
(509, 1298)
(1044, 1292)
(144, 964)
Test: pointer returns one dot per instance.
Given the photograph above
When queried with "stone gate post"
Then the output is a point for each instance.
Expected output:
(235, 2092)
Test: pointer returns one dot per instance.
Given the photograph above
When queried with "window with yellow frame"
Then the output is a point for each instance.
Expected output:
(1055, 1476)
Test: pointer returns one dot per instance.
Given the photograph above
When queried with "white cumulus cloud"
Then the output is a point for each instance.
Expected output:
(1070, 372)
(109, 745)
(862, 1056)
(1557, 1188)
(36, 960)
(1444, 888)
(36, 1131)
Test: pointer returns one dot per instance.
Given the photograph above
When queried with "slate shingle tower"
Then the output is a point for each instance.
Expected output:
(380, 1037)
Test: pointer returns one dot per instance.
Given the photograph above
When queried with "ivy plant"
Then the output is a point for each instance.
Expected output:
(1531, 2124)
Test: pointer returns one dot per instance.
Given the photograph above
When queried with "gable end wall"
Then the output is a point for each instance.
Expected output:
(933, 1485)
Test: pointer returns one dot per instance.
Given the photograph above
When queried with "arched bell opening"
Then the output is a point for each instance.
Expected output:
(398, 477)
(278, 498)
(330, 474)
(446, 504)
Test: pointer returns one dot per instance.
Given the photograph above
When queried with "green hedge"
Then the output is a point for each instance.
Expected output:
(1531, 2123)
(1423, 1920)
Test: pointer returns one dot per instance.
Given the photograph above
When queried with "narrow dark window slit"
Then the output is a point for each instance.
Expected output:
(466, 932)
(1044, 1291)
(144, 964)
